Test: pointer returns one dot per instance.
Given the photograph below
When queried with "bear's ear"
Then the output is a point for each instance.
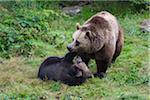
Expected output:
(88, 34)
(78, 26)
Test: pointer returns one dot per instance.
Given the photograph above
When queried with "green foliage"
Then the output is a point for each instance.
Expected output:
(132, 97)
(139, 1)
(21, 26)
(56, 86)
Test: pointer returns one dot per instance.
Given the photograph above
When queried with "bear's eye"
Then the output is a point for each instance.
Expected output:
(77, 43)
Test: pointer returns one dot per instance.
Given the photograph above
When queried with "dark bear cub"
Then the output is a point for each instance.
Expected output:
(63, 70)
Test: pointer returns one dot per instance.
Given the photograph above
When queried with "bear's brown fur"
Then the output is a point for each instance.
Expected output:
(101, 38)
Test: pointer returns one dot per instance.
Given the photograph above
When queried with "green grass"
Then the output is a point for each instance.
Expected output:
(127, 79)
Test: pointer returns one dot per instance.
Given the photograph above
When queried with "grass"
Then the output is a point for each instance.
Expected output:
(127, 79)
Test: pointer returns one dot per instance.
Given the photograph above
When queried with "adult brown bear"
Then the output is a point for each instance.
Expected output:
(100, 38)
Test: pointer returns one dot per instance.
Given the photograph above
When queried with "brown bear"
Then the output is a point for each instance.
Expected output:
(100, 38)
(64, 70)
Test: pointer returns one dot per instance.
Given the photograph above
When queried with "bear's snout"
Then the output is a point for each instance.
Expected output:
(69, 47)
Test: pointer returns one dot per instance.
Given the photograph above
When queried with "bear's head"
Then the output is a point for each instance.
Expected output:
(86, 39)
(82, 68)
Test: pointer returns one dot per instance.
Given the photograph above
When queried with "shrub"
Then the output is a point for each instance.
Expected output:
(21, 26)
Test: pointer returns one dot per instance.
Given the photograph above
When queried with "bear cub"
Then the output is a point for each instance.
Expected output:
(64, 70)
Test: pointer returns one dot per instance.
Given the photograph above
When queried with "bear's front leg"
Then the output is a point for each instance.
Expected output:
(102, 66)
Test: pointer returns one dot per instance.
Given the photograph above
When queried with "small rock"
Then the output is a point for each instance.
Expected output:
(1, 62)
(73, 10)
(145, 26)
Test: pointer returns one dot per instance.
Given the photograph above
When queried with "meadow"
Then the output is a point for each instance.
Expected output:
(32, 31)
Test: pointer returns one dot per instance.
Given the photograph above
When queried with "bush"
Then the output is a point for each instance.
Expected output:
(21, 26)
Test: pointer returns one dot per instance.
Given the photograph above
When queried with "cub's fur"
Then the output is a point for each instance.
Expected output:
(63, 69)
